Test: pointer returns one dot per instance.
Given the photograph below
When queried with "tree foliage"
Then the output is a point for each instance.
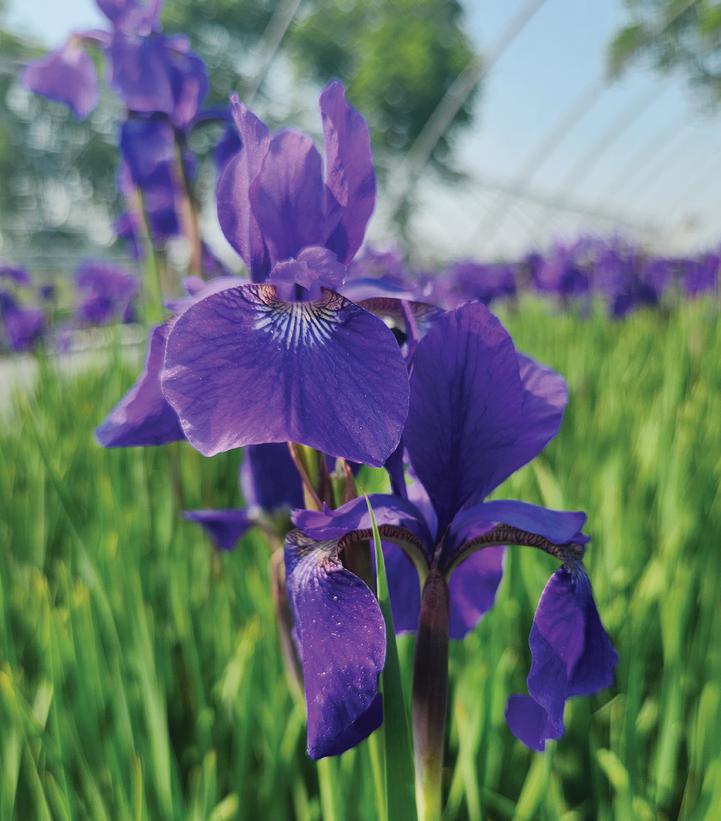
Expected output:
(676, 36)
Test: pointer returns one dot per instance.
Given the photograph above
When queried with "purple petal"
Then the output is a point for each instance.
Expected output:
(560, 527)
(189, 83)
(465, 407)
(287, 196)
(571, 654)
(353, 516)
(225, 527)
(349, 169)
(269, 479)
(544, 401)
(315, 268)
(234, 210)
(140, 72)
(243, 367)
(16, 275)
(404, 588)
(66, 75)
(131, 15)
(472, 589)
(23, 327)
(342, 640)
(143, 417)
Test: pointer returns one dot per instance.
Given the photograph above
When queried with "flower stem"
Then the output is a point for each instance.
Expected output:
(430, 695)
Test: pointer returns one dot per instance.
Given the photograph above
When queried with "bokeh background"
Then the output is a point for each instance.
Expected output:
(139, 671)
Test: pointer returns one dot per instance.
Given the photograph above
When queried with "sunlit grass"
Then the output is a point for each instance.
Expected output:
(139, 672)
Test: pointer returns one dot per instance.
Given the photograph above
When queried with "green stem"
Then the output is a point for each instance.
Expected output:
(327, 782)
(376, 742)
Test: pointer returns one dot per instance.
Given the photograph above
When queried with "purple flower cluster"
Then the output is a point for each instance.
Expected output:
(22, 325)
(337, 357)
(162, 85)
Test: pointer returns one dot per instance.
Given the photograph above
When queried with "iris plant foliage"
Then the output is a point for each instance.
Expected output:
(315, 368)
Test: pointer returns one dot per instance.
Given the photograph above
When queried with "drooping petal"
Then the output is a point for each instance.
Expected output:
(465, 408)
(287, 196)
(472, 590)
(143, 416)
(269, 479)
(349, 171)
(341, 635)
(502, 521)
(243, 367)
(234, 209)
(66, 75)
(389, 511)
(225, 527)
(571, 654)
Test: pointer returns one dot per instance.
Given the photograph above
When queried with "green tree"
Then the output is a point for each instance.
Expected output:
(676, 36)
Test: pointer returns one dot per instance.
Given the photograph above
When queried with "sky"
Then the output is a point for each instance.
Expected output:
(654, 178)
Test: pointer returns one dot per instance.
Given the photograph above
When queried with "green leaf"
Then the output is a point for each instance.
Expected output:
(400, 788)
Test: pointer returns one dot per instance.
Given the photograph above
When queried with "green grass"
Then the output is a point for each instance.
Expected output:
(139, 670)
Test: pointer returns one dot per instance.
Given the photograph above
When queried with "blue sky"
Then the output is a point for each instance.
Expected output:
(676, 199)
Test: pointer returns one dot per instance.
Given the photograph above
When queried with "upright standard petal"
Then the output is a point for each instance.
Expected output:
(143, 417)
(269, 479)
(349, 174)
(140, 72)
(225, 527)
(544, 401)
(465, 407)
(234, 209)
(243, 368)
(341, 634)
(287, 196)
(66, 75)
(571, 655)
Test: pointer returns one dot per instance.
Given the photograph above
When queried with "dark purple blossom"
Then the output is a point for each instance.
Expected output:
(21, 326)
(106, 293)
(66, 75)
(15, 275)
(291, 359)
(467, 281)
(478, 412)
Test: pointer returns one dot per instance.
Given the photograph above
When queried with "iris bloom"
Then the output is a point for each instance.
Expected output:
(150, 71)
(478, 412)
(106, 293)
(288, 358)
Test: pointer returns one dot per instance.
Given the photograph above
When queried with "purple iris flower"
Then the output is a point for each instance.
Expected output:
(16, 275)
(147, 146)
(151, 72)
(467, 280)
(290, 359)
(702, 275)
(478, 412)
(106, 293)
(22, 327)
(66, 75)
(562, 274)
